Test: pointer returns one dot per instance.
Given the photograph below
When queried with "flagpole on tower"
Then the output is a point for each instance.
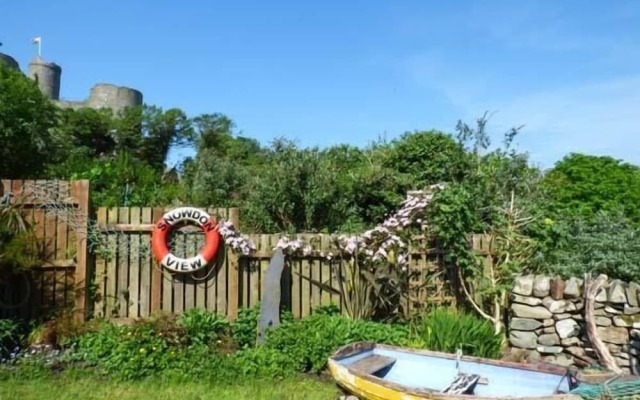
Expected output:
(38, 40)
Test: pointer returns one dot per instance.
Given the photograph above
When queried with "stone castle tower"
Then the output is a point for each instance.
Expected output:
(48, 76)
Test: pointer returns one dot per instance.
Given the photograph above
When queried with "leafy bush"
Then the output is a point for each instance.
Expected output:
(245, 327)
(448, 330)
(203, 327)
(128, 351)
(609, 244)
(309, 342)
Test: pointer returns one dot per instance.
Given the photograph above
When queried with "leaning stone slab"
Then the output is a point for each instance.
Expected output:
(541, 286)
(524, 324)
(523, 285)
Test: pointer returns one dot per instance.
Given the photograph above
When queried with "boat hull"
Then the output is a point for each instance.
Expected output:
(371, 387)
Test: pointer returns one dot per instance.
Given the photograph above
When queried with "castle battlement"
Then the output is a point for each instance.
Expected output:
(48, 76)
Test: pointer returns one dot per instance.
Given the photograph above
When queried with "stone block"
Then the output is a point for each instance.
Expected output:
(556, 290)
(530, 301)
(617, 292)
(523, 311)
(631, 310)
(632, 294)
(524, 324)
(611, 334)
(523, 340)
(541, 286)
(549, 349)
(549, 339)
(573, 288)
(567, 328)
(523, 285)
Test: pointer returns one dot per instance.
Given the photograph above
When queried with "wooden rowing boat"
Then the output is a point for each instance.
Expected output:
(380, 372)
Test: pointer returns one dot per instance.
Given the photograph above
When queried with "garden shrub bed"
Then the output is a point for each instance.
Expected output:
(201, 344)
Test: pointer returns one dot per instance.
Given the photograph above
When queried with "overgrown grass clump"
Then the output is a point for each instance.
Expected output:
(447, 330)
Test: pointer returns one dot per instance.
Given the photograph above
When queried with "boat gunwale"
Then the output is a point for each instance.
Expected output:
(359, 347)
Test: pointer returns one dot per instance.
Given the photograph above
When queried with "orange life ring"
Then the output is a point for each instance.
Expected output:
(164, 226)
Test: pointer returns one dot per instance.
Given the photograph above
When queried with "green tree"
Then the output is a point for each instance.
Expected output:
(88, 131)
(294, 192)
(27, 122)
(224, 162)
(584, 185)
(162, 130)
(607, 243)
(424, 157)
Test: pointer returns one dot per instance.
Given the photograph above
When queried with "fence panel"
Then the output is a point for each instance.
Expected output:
(130, 284)
(56, 210)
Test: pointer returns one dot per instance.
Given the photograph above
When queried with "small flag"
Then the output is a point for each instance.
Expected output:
(37, 39)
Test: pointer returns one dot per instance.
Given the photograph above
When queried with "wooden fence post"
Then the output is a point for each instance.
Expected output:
(156, 274)
(234, 270)
(80, 190)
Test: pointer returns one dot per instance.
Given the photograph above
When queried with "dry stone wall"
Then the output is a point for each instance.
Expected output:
(546, 320)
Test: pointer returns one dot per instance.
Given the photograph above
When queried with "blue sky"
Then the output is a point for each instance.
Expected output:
(350, 71)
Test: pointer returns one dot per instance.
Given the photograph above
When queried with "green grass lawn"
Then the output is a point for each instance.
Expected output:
(74, 388)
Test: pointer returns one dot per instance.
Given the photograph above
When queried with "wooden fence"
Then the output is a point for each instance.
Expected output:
(60, 282)
(125, 281)
(131, 284)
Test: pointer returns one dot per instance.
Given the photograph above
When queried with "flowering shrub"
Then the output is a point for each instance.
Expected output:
(386, 243)
(375, 276)
(234, 239)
